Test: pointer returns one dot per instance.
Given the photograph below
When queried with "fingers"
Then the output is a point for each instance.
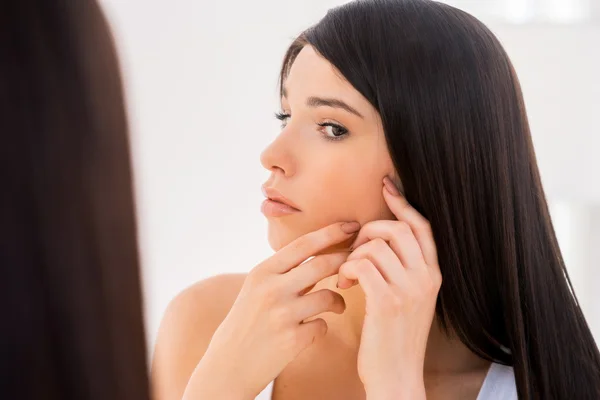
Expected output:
(419, 225)
(400, 238)
(306, 275)
(308, 245)
(318, 302)
(367, 275)
(382, 256)
(308, 332)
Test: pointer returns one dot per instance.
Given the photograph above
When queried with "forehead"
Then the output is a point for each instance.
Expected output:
(311, 75)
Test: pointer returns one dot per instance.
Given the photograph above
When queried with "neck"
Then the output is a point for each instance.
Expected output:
(445, 353)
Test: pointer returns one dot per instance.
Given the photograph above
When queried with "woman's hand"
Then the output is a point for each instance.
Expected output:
(395, 262)
(264, 330)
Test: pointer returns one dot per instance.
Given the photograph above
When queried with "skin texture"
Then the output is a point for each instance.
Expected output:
(328, 180)
(381, 340)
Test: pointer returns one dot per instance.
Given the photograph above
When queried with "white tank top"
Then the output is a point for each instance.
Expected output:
(499, 384)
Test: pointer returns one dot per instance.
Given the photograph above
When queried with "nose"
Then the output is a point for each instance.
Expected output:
(277, 157)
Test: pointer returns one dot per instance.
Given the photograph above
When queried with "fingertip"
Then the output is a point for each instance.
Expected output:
(390, 186)
(341, 283)
(350, 227)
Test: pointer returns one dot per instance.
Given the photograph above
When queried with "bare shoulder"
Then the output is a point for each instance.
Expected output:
(202, 306)
(186, 329)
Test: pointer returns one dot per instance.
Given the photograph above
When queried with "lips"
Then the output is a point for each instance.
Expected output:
(274, 195)
(277, 205)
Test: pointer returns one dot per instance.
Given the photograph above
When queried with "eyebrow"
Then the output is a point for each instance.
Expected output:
(314, 101)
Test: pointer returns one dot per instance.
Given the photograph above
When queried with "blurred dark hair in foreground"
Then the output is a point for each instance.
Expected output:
(70, 297)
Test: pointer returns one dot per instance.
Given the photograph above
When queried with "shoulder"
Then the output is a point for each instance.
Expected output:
(187, 328)
(208, 300)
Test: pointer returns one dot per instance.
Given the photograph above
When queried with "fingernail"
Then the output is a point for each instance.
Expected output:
(350, 227)
(390, 186)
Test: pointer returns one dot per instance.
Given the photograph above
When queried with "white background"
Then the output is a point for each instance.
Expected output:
(201, 86)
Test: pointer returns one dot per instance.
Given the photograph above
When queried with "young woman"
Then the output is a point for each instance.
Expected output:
(70, 297)
(405, 166)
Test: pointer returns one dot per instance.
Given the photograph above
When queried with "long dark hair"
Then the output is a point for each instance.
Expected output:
(457, 130)
(70, 298)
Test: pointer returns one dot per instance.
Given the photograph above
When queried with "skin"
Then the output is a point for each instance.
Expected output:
(303, 161)
(376, 336)
(352, 169)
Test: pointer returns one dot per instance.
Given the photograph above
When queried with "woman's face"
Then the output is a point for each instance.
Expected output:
(329, 159)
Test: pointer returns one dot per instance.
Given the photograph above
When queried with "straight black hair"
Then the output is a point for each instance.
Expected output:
(457, 130)
(70, 297)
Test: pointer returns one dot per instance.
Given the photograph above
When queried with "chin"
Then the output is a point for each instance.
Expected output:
(280, 236)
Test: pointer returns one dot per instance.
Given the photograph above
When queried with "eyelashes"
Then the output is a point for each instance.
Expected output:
(282, 117)
(337, 132)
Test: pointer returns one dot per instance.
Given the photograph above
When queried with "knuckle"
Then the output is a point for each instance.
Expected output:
(429, 288)
(392, 304)
(255, 274)
(329, 234)
(334, 260)
(344, 269)
(326, 264)
(326, 261)
(279, 317)
(426, 226)
(290, 339)
(269, 293)
(253, 284)
(364, 266)
(402, 228)
(379, 243)
(436, 280)
(367, 227)
(428, 280)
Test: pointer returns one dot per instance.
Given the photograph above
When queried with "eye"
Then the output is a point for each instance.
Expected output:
(283, 117)
(333, 131)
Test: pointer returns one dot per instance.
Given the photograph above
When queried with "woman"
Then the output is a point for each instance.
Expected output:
(404, 119)
(70, 298)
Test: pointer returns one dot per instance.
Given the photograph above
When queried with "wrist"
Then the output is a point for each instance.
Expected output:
(397, 390)
(398, 394)
(214, 378)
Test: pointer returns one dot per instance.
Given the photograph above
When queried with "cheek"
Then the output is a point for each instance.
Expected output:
(334, 186)
(347, 190)
(357, 194)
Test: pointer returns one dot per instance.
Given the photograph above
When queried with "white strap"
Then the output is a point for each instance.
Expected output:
(499, 384)
(267, 392)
